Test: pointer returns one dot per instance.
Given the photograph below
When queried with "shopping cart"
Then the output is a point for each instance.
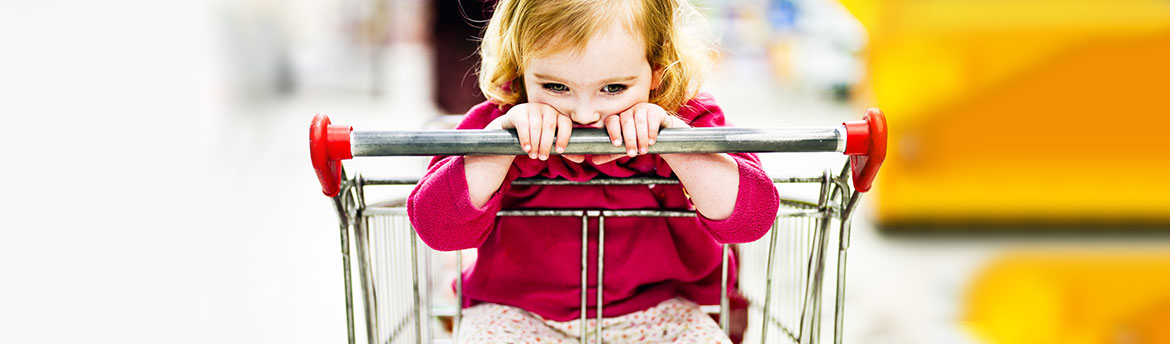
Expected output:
(784, 291)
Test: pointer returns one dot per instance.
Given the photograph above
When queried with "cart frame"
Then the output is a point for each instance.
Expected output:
(863, 140)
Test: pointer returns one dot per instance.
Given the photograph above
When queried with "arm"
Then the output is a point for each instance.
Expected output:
(712, 180)
(485, 173)
(536, 127)
(441, 210)
(735, 199)
(454, 205)
(749, 199)
(753, 206)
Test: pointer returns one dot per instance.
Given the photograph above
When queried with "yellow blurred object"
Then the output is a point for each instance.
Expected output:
(1021, 111)
(1072, 299)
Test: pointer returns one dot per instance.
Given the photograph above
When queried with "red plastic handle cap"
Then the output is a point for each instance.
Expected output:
(328, 145)
(866, 147)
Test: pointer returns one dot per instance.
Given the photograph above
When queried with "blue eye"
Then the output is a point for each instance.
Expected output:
(557, 88)
(613, 88)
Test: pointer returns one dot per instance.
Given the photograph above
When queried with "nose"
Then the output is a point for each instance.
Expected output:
(585, 114)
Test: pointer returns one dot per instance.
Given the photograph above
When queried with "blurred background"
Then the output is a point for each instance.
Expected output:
(159, 187)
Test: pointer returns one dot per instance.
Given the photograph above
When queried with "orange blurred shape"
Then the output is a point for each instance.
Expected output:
(1073, 298)
(1043, 110)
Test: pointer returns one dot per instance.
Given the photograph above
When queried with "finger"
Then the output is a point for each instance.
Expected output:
(535, 122)
(548, 130)
(564, 129)
(640, 129)
(604, 158)
(613, 126)
(629, 133)
(577, 158)
(654, 124)
(520, 122)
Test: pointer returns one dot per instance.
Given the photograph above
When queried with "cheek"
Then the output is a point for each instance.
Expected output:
(532, 91)
(562, 104)
(615, 105)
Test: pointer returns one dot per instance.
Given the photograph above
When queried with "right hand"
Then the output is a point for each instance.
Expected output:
(537, 124)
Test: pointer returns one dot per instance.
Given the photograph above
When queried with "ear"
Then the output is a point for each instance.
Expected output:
(656, 77)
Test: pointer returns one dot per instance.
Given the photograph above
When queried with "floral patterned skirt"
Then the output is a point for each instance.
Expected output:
(676, 320)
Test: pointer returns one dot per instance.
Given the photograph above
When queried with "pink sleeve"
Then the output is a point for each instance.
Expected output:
(755, 205)
(758, 201)
(440, 206)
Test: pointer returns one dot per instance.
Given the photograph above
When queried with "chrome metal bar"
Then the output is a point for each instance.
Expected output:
(848, 213)
(826, 182)
(810, 317)
(391, 180)
(365, 269)
(842, 255)
(345, 266)
(458, 296)
(596, 181)
(370, 296)
(600, 269)
(839, 312)
(797, 276)
(648, 213)
(359, 187)
(584, 273)
(596, 141)
(823, 239)
(724, 312)
(607, 213)
(428, 291)
(811, 296)
(768, 283)
(376, 241)
(414, 277)
(818, 276)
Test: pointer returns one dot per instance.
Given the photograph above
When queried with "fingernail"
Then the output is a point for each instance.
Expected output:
(643, 150)
(617, 142)
(651, 141)
(527, 147)
(632, 152)
(532, 155)
(543, 157)
(560, 150)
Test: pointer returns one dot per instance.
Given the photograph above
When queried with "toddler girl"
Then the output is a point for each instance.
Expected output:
(627, 66)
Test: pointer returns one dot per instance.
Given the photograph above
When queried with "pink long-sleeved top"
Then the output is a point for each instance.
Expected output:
(534, 262)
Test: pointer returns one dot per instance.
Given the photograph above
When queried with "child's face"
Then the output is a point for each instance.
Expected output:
(608, 77)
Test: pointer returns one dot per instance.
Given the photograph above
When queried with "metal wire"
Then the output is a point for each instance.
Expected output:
(584, 274)
(794, 266)
(596, 141)
(600, 269)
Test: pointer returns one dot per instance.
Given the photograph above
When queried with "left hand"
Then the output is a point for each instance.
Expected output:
(637, 128)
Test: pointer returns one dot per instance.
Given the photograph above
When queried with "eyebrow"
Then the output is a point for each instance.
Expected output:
(606, 81)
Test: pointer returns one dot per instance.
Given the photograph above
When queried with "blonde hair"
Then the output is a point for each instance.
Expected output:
(672, 31)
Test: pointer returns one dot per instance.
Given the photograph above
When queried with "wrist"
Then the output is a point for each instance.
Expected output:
(680, 159)
(497, 123)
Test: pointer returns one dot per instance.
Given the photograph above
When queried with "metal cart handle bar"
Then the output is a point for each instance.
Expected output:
(864, 141)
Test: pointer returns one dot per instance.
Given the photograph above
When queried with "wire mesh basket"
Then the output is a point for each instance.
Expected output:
(402, 285)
